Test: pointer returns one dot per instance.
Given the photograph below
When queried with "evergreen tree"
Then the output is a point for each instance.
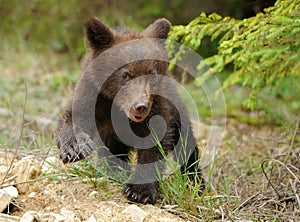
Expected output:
(262, 50)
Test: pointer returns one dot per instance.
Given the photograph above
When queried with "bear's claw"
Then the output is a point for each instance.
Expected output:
(141, 193)
(78, 149)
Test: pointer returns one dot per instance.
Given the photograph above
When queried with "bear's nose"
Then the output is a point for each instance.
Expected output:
(141, 107)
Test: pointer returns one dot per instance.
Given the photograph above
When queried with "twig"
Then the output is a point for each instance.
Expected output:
(293, 141)
(222, 212)
(183, 215)
(246, 202)
(33, 181)
(269, 181)
(220, 197)
(9, 179)
(288, 169)
(282, 164)
(235, 184)
(23, 182)
(20, 136)
(292, 166)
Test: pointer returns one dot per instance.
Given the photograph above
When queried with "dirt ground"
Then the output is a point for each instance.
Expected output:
(254, 175)
(84, 201)
(66, 197)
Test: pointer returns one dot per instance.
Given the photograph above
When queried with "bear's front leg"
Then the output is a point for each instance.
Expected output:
(72, 147)
(144, 184)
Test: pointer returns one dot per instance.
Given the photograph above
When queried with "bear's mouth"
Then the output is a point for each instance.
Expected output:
(136, 118)
(140, 110)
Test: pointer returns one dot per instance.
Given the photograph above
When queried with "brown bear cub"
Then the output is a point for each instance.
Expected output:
(135, 99)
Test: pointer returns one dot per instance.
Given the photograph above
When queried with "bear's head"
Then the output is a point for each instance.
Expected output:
(132, 86)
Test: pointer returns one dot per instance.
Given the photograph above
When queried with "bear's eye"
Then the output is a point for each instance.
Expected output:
(125, 75)
(153, 77)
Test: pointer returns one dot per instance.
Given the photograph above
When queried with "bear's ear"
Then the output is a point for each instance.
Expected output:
(159, 29)
(98, 35)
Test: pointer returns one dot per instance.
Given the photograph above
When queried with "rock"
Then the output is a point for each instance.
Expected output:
(136, 213)
(51, 164)
(118, 211)
(55, 217)
(28, 168)
(69, 215)
(108, 209)
(93, 193)
(32, 195)
(5, 200)
(159, 215)
(7, 195)
(30, 216)
(91, 219)
(169, 207)
(33, 216)
(8, 218)
(12, 191)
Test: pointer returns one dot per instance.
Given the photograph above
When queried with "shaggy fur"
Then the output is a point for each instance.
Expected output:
(139, 102)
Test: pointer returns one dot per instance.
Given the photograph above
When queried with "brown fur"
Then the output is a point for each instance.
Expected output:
(139, 100)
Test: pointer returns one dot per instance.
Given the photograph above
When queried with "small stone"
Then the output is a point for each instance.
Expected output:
(56, 217)
(169, 207)
(48, 208)
(28, 168)
(46, 192)
(32, 195)
(68, 214)
(11, 190)
(5, 200)
(63, 197)
(135, 212)
(93, 193)
(8, 218)
(30, 216)
(109, 212)
(91, 219)
(3, 170)
(44, 217)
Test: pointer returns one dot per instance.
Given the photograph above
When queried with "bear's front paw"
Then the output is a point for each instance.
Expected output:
(79, 147)
(141, 193)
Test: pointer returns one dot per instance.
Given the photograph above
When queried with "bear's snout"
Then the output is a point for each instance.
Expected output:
(139, 111)
(141, 107)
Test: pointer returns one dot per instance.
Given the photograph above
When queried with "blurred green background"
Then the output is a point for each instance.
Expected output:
(58, 25)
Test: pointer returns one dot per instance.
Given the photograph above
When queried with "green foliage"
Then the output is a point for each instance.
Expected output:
(57, 26)
(260, 51)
